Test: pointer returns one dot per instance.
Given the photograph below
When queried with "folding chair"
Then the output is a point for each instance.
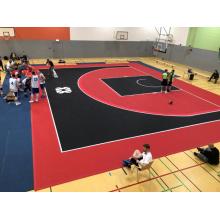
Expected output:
(143, 168)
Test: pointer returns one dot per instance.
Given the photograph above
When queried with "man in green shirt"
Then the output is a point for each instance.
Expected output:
(170, 78)
(164, 81)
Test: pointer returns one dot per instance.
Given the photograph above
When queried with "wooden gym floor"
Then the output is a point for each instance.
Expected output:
(180, 172)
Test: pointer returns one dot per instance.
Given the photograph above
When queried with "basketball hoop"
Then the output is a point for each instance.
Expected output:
(6, 35)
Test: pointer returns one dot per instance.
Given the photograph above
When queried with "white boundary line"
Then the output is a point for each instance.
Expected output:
(185, 91)
(48, 100)
(137, 82)
(103, 82)
(134, 110)
(158, 132)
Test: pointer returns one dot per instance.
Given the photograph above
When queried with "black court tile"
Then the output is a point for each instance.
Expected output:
(135, 85)
(82, 121)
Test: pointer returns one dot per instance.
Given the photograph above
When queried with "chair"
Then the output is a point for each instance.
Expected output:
(143, 168)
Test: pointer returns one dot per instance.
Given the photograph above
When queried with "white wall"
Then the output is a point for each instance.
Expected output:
(108, 33)
(180, 35)
(134, 33)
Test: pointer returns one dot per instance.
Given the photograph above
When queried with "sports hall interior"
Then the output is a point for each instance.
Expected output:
(25, 165)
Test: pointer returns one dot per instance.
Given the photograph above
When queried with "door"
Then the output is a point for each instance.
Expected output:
(58, 49)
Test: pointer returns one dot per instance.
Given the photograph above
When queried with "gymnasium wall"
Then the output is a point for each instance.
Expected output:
(61, 49)
(42, 33)
(134, 33)
(204, 38)
(200, 58)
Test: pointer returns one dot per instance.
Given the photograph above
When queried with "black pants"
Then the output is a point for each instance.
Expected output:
(2, 66)
(215, 77)
(133, 161)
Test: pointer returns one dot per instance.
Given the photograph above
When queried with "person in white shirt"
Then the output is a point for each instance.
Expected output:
(34, 87)
(13, 87)
(141, 159)
(9, 65)
(42, 84)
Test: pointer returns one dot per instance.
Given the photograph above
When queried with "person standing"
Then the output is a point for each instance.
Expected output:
(13, 87)
(34, 87)
(27, 86)
(42, 84)
(52, 71)
(170, 80)
(164, 81)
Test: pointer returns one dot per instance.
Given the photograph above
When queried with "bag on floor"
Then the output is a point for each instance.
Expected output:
(55, 74)
(10, 97)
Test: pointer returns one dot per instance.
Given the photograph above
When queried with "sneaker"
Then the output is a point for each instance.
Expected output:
(43, 96)
(31, 101)
(36, 100)
(195, 153)
(17, 103)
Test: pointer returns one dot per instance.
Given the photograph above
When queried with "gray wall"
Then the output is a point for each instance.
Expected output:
(44, 49)
(203, 59)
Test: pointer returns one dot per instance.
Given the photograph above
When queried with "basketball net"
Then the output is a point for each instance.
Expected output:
(6, 36)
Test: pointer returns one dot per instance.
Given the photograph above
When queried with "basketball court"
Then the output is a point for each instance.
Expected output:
(97, 112)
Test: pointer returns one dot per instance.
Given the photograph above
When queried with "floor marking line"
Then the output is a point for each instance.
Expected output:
(201, 162)
(174, 174)
(157, 132)
(210, 174)
(172, 188)
(124, 171)
(54, 124)
(205, 168)
(118, 188)
(104, 83)
(133, 110)
(183, 127)
(124, 187)
(187, 91)
(161, 180)
(184, 174)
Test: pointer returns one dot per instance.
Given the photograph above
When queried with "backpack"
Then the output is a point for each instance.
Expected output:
(10, 97)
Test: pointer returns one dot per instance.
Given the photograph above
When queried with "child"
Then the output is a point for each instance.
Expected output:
(35, 87)
(13, 87)
(42, 84)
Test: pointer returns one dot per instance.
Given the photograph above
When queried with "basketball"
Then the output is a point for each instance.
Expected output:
(170, 102)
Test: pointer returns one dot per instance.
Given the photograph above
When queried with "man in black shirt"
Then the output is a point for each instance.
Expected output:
(209, 154)
(52, 71)
(214, 76)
